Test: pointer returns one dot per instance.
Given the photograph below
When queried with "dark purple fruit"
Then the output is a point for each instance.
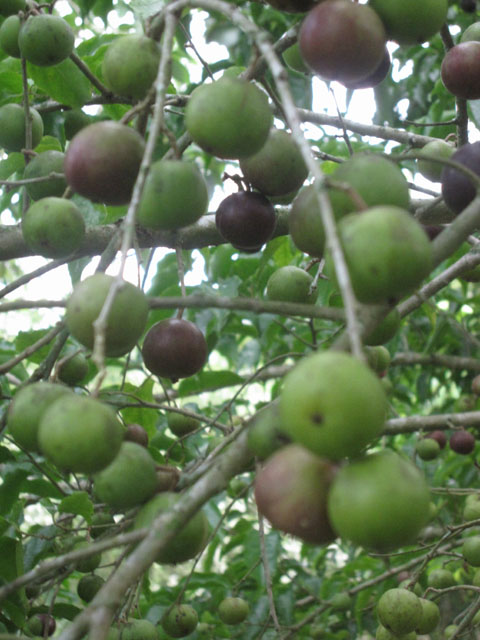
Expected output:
(432, 230)
(292, 6)
(102, 162)
(439, 436)
(342, 40)
(469, 6)
(136, 433)
(174, 349)
(42, 624)
(461, 70)
(457, 189)
(246, 219)
(462, 442)
(375, 77)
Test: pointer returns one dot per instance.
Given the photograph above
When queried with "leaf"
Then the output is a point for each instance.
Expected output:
(15, 162)
(64, 610)
(9, 491)
(63, 82)
(474, 111)
(48, 143)
(78, 503)
(208, 380)
(39, 545)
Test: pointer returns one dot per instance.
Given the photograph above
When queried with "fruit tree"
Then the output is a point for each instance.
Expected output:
(239, 348)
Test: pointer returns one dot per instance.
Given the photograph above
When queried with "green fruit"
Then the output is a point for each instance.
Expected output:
(411, 21)
(399, 611)
(88, 586)
(102, 522)
(438, 149)
(472, 32)
(305, 223)
(427, 449)
(34, 626)
(264, 435)
(332, 404)
(291, 284)
(180, 620)
(75, 120)
(180, 424)
(238, 487)
(471, 551)
(27, 409)
(43, 165)
(430, 616)
(380, 501)
(441, 579)
(12, 127)
(471, 510)
(341, 602)
(233, 610)
(187, 543)
(229, 118)
(79, 434)
(450, 630)
(388, 254)
(53, 227)
(8, 7)
(278, 168)
(9, 36)
(74, 369)
(90, 563)
(46, 40)
(129, 480)
(126, 320)
(130, 65)
(139, 630)
(385, 634)
(385, 330)
(378, 358)
(175, 195)
(293, 58)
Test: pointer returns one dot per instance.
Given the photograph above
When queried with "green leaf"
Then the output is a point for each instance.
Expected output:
(63, 82)
(66, 611)
(78, 503)
(48, 143)
(15, 162)
(208, 380)
(9, 491)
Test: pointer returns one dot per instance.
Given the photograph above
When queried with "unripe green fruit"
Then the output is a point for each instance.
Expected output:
(294, 60)
(180, 424)
(438, 149)
(129, 479)
(305, 223)
(441, 579)
(89, 563)
(180, 620)
(12, 127)
(385, 634)
(341, 602)
(73, 370)
(430, 616)
(79, 434)
(380, 501)
(9, 36)
(472, 32)
(139, 630)
(8, 7)
(126, 320)
(471, 551)
(385, 330)
(75, 120)
(264, 434)
(278, 168)
(88, 586)
(43, 165)
(411, 21)
(175, 195)
(188, 542)
(399, 611)
(130, 65)
(229, 118)
(291, 284)
(450, 630)
(27, 409)
(427, 449)
(471, 510)
(101, 523)
(332, 404)
(46, 40)
(233, 610)
(378, 358)
(53, 227)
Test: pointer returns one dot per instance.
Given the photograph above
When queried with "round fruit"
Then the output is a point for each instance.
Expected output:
(374, 78)
(174, 348)
(88, 586)
(167, 478)
(291, 492)
(41, 624)
(462, 442)
(293, 58)
(139, 630)
(439, 436)
(175, 195)
(188, 542)
(411, 21)
(457, 189)
(136, 433)
(380, 501)
(46, 40)
(427, 449)
(341, 602)
(12, 127)
(441, 579)
(471, 551)
(378, 358)
(341, 40)
(229, 118)
(291, 284)
(43, 165)
(129, 479)
(450, 630)
(385, 330)
(305, 223)
(472, 32)
(27, 409)
(75, 120)
(430, 617)
(73, 370)
(180, 424)
(53, 227)
(460, 70)
(130, 65)
(278, 168)
(332, 404)
(180, 620)
(246, 219)
(385, 634)
(8, 7)
(264, 435)
(101, 523)
(102, 162)
(233, 610)
(399, 611)
(438, 149)
(126, 320)
(388, 254)
(79, 434)
(9, 36)
(89, 563)
(471, 510)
